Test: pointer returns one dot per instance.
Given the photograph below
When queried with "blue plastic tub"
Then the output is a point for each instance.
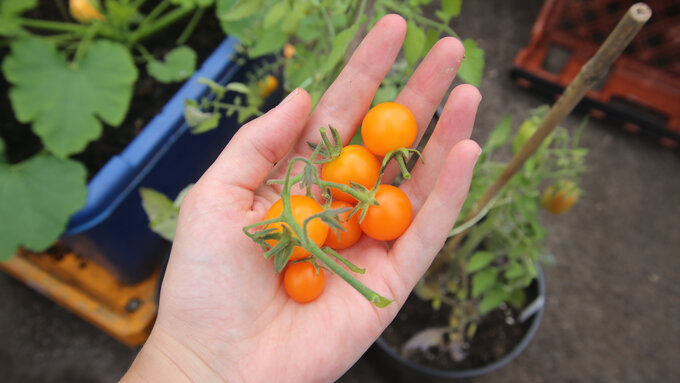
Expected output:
(112, 229)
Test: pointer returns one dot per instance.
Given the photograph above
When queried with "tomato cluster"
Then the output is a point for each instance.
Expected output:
(350, 177)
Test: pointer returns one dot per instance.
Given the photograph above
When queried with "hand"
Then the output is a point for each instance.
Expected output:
(224, 315)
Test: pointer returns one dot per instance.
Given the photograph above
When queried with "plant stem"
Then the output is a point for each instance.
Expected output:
(162, 23)
(56, 26)
(590, 73)
(420, 18)
(151, 17)
(191, 26)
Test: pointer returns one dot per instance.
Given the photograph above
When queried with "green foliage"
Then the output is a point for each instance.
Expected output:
(38, 195)
(472, 67)
(497, 259)
(67, 79)
(162, 211)
(180, 64)
(65, 101)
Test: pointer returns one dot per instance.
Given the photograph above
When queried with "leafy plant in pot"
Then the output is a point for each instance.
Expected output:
(481, 301)
(71, 69)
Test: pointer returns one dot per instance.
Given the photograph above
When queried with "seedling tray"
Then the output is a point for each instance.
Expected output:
(641, 92)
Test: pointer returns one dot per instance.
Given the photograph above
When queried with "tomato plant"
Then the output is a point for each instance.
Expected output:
(354, 164)
(560, 197)
(391, 217)
(351, 229)
(302, 208)
(388, 126)
(303, 281)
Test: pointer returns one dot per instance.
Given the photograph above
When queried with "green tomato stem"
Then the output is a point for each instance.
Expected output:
(191, 26)
(162, 23)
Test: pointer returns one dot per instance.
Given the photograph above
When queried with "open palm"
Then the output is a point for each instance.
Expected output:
(224, 315)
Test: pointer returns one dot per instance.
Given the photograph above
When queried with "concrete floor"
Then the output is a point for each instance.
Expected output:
(614, 302)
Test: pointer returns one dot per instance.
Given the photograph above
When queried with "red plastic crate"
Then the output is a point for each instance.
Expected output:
(642, 89)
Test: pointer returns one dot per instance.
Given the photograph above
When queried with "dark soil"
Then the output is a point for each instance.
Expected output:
(148, 99)
(497, 334)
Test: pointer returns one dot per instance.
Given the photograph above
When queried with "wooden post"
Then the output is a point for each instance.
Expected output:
(590, 73)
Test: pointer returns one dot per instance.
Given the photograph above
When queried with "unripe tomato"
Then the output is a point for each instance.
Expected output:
(388, 126)
(560, 197)
(352, 233)
(302, 207)
(302, 282)
(268, 85)
(526, 130)
(355, 163)
(288, 50)
(84, 11)
(391, 217)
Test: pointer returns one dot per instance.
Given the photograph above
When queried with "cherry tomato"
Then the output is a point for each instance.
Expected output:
(389, 219)
(559, 198)
(288, 50)
(302, 207)
(355, 163)
(388, 126)
(352, 233)
(268, 85)
(302, 282)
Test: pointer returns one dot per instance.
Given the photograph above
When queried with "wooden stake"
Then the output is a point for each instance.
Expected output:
(590, 73)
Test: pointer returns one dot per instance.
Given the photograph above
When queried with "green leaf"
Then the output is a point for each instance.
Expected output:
(472, 67)
(38, 197)
(431, 38)
(514, 271)
(270, 41)
(516, 298)
(180, 197)
(192, 3)
(16, 7)
(482, 281)
(500, 135)
(161, 211)
(340, 44)
(414, 42)
(208, 124)
(65, 102)
(275, 14)
(238, 87)
(451, 7)
(240, 10)
(180, 64)
(494, 298)
(479, 260)
(385, 93)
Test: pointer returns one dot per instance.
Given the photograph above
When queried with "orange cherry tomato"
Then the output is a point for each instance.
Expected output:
(559, 198)
(288, 50)
(355, 163)
(84, 11)
(388, 126)
(391, 217)
(302, 282)
(302, 207)
(268, 85)
(352, 233)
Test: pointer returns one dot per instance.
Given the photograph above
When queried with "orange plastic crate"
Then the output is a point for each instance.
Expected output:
(641, 91)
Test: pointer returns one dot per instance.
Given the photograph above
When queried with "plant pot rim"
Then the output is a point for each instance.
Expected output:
(474, 372)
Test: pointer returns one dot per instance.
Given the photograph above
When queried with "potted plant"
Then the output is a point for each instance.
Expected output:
(481, 302)
(69, 70)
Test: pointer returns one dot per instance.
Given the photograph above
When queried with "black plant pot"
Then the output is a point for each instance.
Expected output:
(405, 370)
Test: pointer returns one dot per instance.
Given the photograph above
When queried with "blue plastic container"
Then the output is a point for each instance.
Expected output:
(112, 229)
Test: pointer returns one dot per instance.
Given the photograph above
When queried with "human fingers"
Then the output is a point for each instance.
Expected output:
(258, 145)
(346, 101)
(454, 125)
(414, 251)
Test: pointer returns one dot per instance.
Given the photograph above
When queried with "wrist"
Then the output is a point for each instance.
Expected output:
(164, 359)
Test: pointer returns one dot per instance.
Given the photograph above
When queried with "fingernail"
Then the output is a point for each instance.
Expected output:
(478, 154)
(290, 96)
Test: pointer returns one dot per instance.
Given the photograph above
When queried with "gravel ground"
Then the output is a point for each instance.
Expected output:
(613, 298)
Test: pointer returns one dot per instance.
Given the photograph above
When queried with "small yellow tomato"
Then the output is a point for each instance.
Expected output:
(84, 11)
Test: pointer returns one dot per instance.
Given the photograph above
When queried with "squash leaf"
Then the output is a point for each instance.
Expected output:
(180, 64)
(66, 101)
(38, 197)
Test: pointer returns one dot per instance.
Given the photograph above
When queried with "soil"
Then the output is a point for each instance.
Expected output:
(149, 96)
(496, 336)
